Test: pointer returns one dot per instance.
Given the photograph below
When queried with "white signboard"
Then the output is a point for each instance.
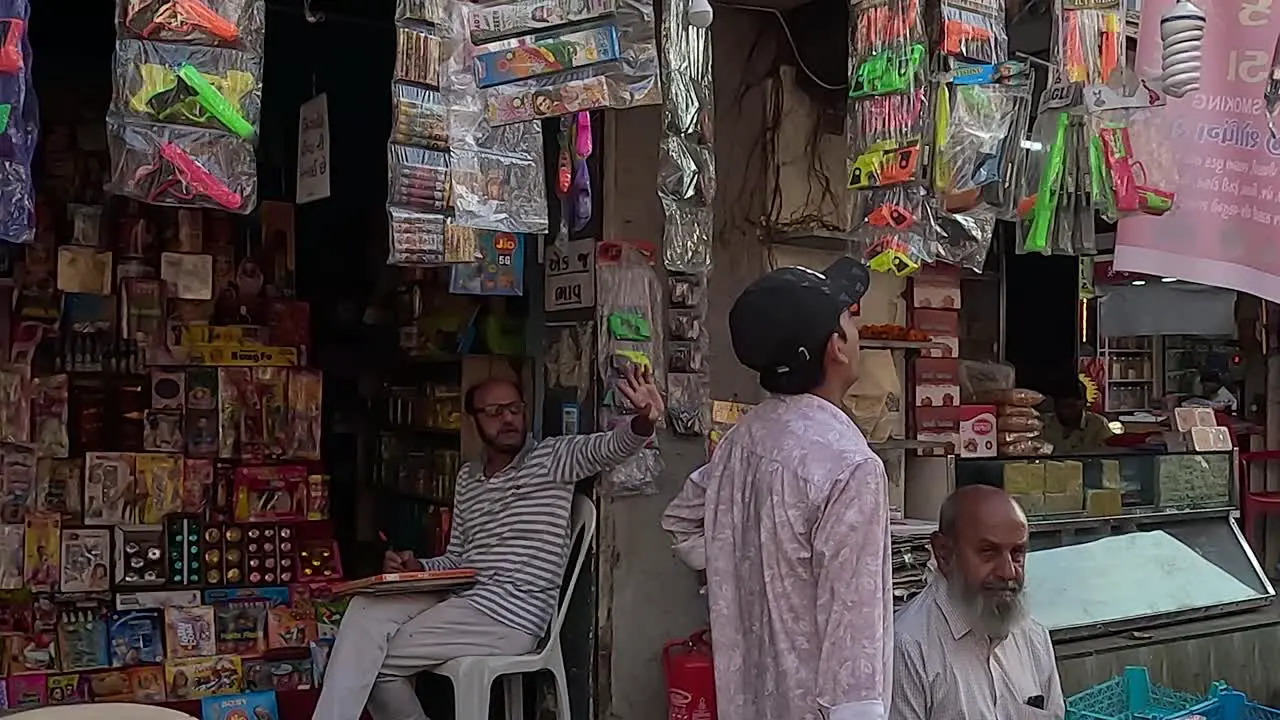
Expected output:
(313, 150)
(571, 275)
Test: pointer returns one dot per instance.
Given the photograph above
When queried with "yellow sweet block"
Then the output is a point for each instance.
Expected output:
(1102, 503)
(1110, 474)
(1024, 478)
(1063, 502)
(1030, 504)
(1073, 477)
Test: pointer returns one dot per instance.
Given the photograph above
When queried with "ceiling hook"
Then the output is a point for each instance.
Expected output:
(312, 17)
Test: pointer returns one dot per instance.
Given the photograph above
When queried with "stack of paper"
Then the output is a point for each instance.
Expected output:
(910, 554)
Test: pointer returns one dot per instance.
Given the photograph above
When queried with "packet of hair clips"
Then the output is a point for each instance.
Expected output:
(885, 138)
(498, 191)
(418, 179)
(181, 166)
(417, 55)
(889, 50)
(417, 238)
(223, 23)
(498, 20)
(688, 404)
(212, 88)
(418, 118)
(973, 30)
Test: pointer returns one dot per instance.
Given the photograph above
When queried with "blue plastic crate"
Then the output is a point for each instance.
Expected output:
(1228, 705)
(1130, 696)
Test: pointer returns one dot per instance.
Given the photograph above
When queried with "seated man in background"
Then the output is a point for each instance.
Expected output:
(965, 648)
(1213, 394)
(1072, 427)
(511, 525)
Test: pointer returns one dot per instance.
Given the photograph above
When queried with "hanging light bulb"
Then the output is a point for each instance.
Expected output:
(1181, 35)
(700, 13)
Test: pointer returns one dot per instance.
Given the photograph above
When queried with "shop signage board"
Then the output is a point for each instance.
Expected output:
(313, 149)
(570, 275)
(1225, 227)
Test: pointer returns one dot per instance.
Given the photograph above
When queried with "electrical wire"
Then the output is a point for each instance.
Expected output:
(795, 50)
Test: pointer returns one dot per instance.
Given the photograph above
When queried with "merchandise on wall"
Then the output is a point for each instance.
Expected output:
(19, 126)
(187, 93)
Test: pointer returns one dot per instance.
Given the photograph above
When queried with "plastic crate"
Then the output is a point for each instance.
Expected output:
(1131, 696)
(1228, 705)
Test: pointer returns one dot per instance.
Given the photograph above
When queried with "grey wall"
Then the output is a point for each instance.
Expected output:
(646, 596)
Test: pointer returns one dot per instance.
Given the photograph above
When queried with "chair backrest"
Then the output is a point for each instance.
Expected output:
(582, 535)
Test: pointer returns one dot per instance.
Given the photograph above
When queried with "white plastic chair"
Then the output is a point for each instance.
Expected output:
(473, 676)
(103, 711)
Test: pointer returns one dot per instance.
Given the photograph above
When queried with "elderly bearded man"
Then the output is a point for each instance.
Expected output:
(965, 649)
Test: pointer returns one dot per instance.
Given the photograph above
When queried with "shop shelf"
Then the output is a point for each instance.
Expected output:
(872, 344)
(1131, 696)
(1226, 704)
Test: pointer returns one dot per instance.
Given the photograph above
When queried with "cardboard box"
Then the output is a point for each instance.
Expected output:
(946, 346)
(977, 431)
(936, 286)
(937, 420)
(1024, 478)
(1102, 503)
(952, 438)
(935, 371)
(937, 322)
(937, 395)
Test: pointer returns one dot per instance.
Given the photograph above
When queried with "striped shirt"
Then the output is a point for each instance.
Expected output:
(945, 670)
(513, 528)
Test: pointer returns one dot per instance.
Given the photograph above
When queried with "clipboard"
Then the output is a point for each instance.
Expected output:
(410, 582)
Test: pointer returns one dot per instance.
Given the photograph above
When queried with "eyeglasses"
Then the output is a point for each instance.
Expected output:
(514, 409)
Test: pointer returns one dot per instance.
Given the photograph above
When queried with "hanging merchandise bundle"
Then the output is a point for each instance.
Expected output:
(935, 159)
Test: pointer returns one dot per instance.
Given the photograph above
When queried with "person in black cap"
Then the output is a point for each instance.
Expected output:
(790, 518)
(796, 328)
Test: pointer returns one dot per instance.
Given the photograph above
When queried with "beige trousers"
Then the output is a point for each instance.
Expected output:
(384, 640)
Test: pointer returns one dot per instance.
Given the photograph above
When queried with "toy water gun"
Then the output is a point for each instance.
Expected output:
(1117, 152)
(892, 256)
(1046, 201)
(189, 179)
(184, 93)
(887, 71)
(178, 17)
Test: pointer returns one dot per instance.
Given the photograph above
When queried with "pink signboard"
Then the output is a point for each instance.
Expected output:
(1225, 230)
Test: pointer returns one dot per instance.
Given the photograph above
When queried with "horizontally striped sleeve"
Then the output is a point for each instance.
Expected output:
(576, 457)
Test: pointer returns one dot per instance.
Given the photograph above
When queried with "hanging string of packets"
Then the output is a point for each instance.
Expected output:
(1096, 148)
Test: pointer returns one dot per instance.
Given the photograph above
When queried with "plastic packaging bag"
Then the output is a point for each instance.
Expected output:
(979, 378)
(20, 133)
(974, 30)
(180, 166)
(1018, 424)
(222, 23)
(1017, 411)
(203, 87)
(970, 138)
(689, 404)
(1018, 397)
(1132, 160)
(1090, 40)
(417, 238)
(1026, 448)
(418, 118)
(896, 230)
(417, 178)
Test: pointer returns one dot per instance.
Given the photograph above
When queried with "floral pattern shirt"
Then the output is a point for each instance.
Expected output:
(790, 521)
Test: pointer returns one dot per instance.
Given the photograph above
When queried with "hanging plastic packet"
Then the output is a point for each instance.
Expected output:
(185, 167)
(1090, 39)
(417, 178)
(538, 59)
(417, 238)
(236, 24)
(964, 239)
(689, 404)
(1129, 151)
(974, 132)
(19, 129)
(887, 98)
(974, 31)
(498, 172)
(418, 118)
(896, 231)
(203, 87)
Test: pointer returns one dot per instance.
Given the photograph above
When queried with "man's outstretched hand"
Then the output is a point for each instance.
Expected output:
(638, 388)
(401, 561)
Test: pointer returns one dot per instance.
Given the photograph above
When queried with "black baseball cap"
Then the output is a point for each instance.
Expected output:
(781, 323)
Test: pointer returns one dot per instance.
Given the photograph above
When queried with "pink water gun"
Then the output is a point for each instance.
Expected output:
(189, 180)
(1119, 156)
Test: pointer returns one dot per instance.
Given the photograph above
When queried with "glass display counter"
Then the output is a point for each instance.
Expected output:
(1103, 485)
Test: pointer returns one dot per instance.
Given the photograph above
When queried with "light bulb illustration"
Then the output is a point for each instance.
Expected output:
(1181, 35)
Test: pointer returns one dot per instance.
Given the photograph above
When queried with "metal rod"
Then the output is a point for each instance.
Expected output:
(1036, 61)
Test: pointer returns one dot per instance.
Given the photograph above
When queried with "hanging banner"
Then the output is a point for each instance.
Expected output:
(1225, 227)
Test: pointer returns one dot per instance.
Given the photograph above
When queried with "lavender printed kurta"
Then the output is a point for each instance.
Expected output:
(790, 520)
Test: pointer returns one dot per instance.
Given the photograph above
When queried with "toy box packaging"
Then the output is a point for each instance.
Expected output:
(28, 692)
(278, 675)
(82, 637)
(189, 632)
(286, 628)
(241, 627)
(202, 677)
(68, 689)
(43, 547)
(86, 555)
(111, 686)
(136, 637)
(244, 706)
(148, 684)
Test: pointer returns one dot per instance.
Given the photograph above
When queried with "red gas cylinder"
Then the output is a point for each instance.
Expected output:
(691, 679)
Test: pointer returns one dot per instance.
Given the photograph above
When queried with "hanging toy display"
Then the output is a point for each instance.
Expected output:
(19, 127)
(1132, 161)
(1055, 207)
(1090, 39)
(1181, 36)
(186, 103)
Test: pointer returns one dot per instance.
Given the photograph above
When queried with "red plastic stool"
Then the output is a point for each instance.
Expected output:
(1255, 504)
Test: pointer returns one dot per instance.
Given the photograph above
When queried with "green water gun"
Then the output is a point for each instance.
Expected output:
(888, 71)
(213, 101)
(1050, 184)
